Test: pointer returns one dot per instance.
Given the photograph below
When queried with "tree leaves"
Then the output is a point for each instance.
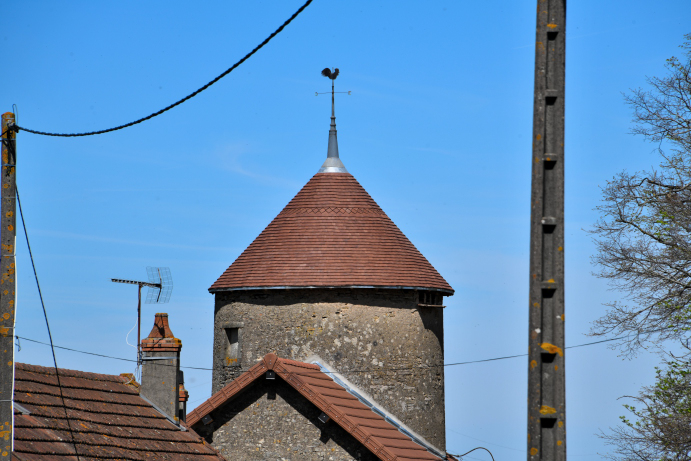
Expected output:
(662, 427)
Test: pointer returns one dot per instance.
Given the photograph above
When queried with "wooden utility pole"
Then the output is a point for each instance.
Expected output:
(546, 377)
(8, 223)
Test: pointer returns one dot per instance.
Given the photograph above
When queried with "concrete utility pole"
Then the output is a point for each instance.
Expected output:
(546, 378)
(8, 223)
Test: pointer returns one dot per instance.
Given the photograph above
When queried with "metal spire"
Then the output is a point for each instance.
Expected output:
(333, 163)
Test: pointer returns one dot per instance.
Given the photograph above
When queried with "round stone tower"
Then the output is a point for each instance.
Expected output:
(333, 279)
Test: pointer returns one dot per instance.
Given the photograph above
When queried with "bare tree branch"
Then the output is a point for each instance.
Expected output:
(643, 236)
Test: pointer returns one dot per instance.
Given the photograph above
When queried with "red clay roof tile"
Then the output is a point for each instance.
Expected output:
(332, 234)
(107, 417)
(368, 427)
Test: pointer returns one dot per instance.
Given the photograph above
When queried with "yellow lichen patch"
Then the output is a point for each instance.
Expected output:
(559, 442)
(562, 317)
(561, 423)
(534, 304)
(533, 364)
(533, 451)
(538, 137)
(560, 248)
(552, 349)
(547, 410)
(556, 367)
(552, 26)
(551, 281)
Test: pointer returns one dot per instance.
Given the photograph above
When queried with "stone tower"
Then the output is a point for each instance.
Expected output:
(333, 279)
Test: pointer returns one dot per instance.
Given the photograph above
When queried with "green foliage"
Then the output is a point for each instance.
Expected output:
(661, 426)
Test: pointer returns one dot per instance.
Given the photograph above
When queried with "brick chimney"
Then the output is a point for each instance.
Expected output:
(183, 397)
(161, 376)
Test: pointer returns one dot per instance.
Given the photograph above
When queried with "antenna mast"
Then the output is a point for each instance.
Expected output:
(160, 287)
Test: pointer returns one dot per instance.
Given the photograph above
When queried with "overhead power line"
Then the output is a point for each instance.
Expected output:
(349, 371)
(189, 96)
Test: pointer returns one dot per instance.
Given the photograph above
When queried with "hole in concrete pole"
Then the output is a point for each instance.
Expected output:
(547, 423)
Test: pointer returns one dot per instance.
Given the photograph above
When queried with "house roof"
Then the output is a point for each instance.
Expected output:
(107, 416)
(331, 234)
(371, 429)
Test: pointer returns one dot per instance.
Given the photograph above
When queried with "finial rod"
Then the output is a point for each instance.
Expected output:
(333, 163)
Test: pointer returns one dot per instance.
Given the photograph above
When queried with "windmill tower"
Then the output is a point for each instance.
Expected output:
(333, 277)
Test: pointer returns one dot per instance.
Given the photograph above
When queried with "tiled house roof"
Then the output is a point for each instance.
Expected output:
(371, 429)
(332, 234)
(108, 418)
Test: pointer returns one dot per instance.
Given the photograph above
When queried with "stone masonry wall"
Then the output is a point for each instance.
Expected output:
(378, 339)
(271, 421)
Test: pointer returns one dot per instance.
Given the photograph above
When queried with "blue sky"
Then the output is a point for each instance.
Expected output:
(437, 129)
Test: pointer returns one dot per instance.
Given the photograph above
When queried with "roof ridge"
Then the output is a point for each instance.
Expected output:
(296, 363)
(67, 373)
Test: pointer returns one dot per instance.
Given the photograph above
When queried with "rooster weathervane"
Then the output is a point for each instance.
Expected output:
(332, 74)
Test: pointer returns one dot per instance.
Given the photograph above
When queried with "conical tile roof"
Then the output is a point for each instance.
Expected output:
(332, 234)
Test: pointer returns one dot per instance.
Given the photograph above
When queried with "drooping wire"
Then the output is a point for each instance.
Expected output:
(478, 448)
(50, 336)
(128, 335)
(189, 96)
(349, 371)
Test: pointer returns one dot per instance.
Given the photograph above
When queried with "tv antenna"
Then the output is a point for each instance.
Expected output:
(160, 287)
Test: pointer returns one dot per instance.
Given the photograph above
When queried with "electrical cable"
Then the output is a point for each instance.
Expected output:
(189, 96)
(50, 336)
(100, 355)
(349, 371)
(128, 335)
(478, 448)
